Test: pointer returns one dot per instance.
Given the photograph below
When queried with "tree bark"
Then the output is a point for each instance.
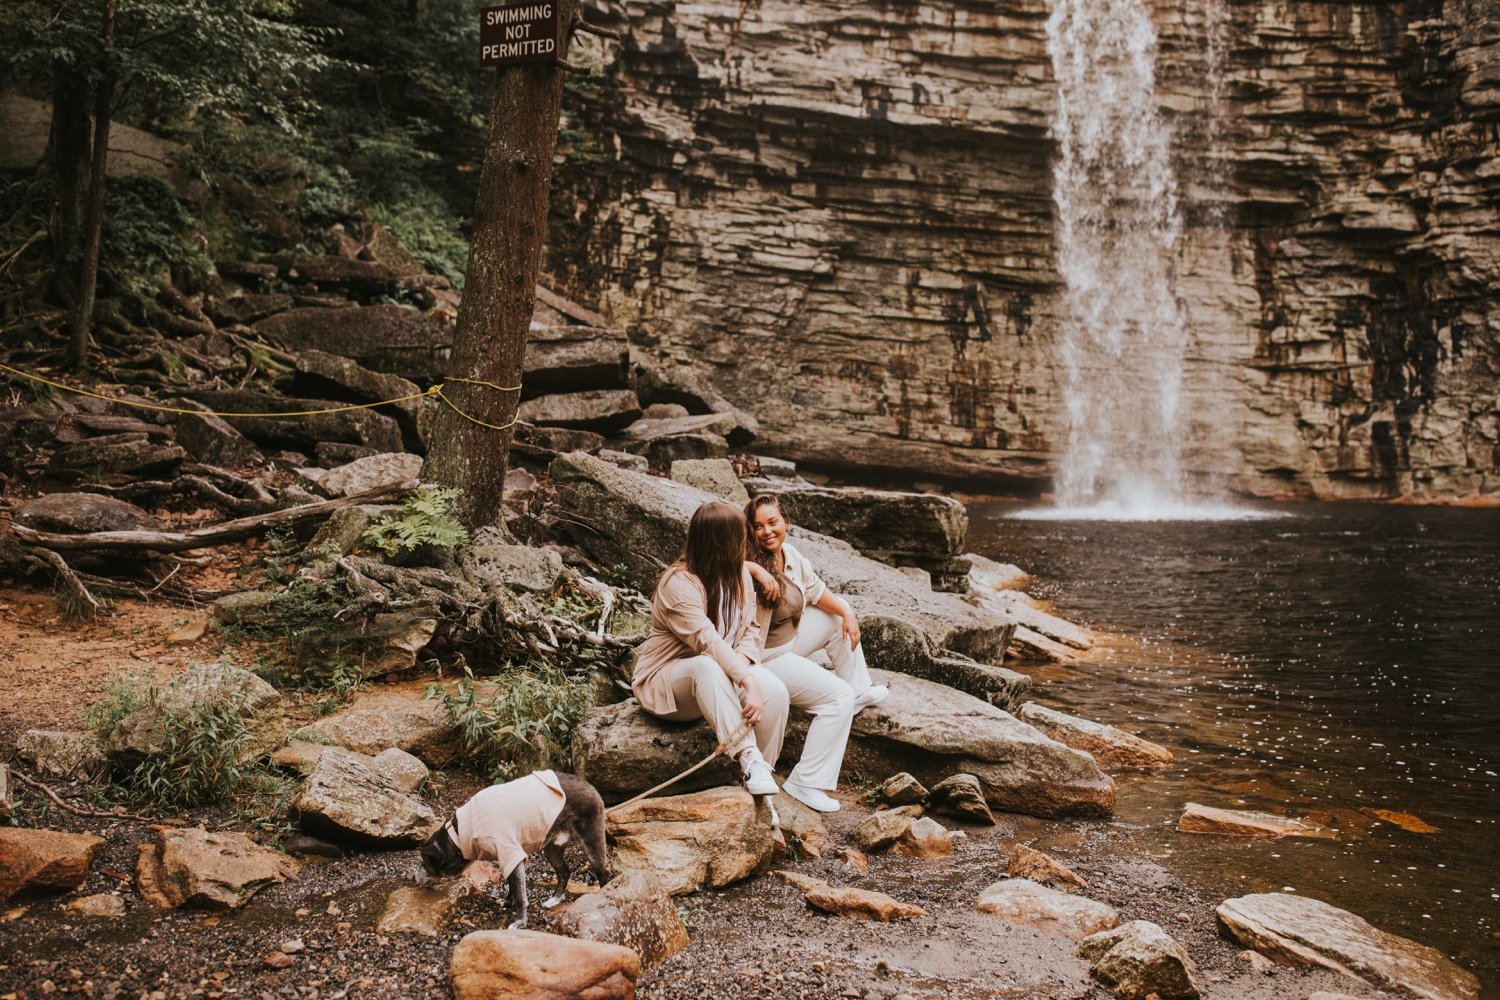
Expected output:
(83, 310)
(68, 162)
(510, 228)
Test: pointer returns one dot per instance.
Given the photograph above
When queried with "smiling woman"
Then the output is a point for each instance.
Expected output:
(806, 616)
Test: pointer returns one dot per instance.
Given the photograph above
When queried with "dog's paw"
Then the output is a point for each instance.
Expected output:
(516, 925)
(554, 899)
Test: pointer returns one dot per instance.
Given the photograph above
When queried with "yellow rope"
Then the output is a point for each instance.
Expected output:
(436, 390)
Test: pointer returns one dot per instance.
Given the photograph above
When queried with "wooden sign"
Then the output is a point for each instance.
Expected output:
(519, 33)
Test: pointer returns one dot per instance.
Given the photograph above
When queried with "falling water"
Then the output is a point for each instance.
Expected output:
(1123, 332)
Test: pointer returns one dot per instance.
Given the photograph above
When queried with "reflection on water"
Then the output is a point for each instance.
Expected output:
(1331, 663)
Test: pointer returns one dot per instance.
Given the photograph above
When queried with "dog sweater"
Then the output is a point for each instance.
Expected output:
(504, 823)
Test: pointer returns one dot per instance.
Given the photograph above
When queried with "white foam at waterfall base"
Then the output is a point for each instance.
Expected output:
(1158, 510)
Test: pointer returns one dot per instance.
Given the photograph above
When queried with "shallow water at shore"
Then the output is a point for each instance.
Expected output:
(1327, 663)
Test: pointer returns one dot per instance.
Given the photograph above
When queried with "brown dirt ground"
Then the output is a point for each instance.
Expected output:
(753, 940)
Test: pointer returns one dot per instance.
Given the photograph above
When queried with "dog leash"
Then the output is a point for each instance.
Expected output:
(739, 733)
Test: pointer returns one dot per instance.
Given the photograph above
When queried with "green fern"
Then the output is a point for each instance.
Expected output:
(426, 524)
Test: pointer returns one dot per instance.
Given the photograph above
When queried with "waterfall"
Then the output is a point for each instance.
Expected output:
(1118, 224)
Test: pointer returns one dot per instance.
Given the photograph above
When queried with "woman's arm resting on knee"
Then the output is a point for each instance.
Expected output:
(835, 605)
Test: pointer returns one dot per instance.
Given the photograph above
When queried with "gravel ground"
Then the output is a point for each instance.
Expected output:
(754, 940)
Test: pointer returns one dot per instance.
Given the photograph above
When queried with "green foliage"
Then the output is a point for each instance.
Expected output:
(428, 230)
(425, 525)
(148, 235)
(125, 693)
(198, 762)
(518, 721)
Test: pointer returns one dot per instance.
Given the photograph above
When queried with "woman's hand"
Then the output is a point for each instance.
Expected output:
(851, 628)
(752, 703)
(765, 581)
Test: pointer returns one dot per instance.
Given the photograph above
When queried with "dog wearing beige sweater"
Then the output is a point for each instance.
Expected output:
(504, 823)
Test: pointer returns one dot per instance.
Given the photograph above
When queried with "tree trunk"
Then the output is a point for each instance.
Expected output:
(83, 312)
(510, 228)
(68, 162)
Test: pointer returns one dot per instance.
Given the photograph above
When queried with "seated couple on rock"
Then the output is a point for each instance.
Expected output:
(708, 655)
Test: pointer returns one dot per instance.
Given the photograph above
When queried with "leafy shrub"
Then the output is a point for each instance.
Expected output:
(125, 694)
(198, 761)
(425, 526)
(523, 722)
(428, 230)
(148, 234)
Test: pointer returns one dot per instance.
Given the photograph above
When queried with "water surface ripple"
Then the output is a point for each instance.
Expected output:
(1328, 663)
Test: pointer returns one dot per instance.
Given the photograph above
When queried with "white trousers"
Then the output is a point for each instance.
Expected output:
(820, 630)
(702, 690)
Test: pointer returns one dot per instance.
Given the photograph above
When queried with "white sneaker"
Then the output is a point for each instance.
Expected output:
(872, 695)
(813, 798)
(756, 773)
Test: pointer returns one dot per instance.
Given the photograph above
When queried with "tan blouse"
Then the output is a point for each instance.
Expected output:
(681, 627)
(785, 616)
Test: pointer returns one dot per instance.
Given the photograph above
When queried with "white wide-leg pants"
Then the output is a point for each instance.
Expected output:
(703, 690)
(820, 630)
(830, 702)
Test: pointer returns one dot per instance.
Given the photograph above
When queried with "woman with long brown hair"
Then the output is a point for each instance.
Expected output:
(805, 615)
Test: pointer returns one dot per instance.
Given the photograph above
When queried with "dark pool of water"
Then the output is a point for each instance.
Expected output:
(1329, 662)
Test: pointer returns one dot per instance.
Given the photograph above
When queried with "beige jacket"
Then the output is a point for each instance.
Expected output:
(797, 568)
(681, 627)
(504, 823)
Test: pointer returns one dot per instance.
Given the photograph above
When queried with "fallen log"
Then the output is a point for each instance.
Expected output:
(210, 536)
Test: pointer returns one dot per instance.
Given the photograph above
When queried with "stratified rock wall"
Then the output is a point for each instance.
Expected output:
(843, 213)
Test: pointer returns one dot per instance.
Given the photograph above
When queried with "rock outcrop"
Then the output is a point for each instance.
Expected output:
(218, 871)
(1299, 930)
(926, 728)
(876, 240)
(1019, 901)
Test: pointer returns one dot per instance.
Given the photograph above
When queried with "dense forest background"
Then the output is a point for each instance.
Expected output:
(283, 120)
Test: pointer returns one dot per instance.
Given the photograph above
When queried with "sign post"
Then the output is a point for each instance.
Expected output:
(519, 33)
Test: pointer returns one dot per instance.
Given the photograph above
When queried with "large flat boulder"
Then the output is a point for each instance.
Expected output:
(1197, 818)
(44, 861)
(304, 433)
(1300, 930)
(603, 411)
(383, 338)
(1017, 605)
(563, 358)
(933, 732)
(691, 842)
(925, 728)
(390, 718)
(639, 522)
(82, 513)
(530, 965)
(1114, 749)
(218, 871)
(348, 800)
(1019, 901)
(322, 374)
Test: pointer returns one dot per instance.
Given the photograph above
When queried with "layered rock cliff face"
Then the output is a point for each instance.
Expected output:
(843, 212)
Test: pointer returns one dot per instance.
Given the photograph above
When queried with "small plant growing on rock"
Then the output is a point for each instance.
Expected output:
(520, 720)
(425, 528)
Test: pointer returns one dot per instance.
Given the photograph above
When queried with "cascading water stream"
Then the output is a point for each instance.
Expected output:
(1123, 332)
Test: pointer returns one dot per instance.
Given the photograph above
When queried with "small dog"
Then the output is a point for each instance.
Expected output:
(504, 823)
